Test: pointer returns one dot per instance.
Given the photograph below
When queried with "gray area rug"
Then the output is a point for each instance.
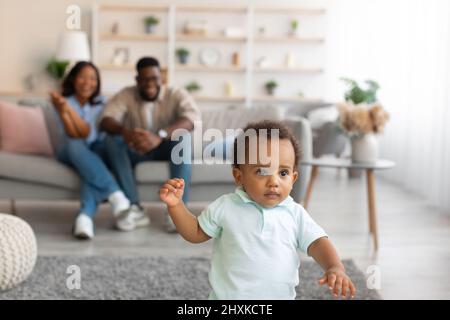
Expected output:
(150, 278)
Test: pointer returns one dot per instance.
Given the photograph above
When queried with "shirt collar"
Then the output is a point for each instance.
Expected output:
(74, 103)
(246, 198)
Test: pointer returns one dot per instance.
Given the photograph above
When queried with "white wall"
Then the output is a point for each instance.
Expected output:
(30, 29)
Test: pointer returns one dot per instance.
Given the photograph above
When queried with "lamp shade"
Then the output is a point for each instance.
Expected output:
(73, 46)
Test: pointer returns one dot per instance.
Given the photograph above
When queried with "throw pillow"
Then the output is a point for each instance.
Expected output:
(23, 130)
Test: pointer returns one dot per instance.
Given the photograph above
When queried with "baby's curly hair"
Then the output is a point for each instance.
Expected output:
(284, 132)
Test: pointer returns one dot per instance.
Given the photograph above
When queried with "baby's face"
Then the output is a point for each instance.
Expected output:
(269, 184)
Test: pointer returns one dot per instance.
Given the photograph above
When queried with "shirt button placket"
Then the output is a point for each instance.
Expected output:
(267, 223)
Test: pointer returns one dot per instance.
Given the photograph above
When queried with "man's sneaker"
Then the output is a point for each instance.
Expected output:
(139, 215)
(84, 227)
(119, 203)
(170, 226)
(125, 222)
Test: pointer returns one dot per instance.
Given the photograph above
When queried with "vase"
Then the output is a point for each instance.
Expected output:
(365, 148)
(183, 59)
(150, 28)
(271, 91)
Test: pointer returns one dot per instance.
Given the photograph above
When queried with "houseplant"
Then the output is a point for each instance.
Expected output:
(183, 55)
(56, 68)
(362, 117)
(294, 27)
(193, 87)
(271, 87)
(150, 24)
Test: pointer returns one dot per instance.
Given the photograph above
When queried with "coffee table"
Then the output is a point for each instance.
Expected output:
(369, 167)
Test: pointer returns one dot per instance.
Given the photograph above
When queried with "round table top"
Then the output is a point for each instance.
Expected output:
(380, 164)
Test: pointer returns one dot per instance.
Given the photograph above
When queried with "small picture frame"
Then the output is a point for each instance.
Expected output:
(121, 56)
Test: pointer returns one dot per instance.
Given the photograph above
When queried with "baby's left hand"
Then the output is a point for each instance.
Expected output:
(338, 282)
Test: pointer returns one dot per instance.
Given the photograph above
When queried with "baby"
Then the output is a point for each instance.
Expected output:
(258, 229)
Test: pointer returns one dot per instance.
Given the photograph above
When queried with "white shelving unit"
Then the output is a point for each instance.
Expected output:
(169, 37)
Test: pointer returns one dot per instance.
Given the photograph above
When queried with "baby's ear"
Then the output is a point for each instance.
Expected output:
(237, 174)
(295, 176)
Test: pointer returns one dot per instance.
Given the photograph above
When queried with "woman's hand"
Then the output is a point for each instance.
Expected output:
(59, 102)
(172, 192)
(338, 282)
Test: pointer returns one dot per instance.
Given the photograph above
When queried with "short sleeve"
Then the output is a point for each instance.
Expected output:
(309, 231)
(187, 107)
(210, 218)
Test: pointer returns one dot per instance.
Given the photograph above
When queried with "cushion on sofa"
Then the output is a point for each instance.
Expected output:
(44, 170)
(239, 117)
(23, 130)
(54, 131)
(158, 172)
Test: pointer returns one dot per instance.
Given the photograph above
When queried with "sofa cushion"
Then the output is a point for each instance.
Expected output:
(23, 130)
(239, 117)
(158, 172)
(54, 131)
(38, 169)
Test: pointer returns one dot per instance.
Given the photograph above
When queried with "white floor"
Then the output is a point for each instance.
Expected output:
(413, 259)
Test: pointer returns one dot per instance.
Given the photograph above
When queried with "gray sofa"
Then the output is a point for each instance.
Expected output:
(31, 177)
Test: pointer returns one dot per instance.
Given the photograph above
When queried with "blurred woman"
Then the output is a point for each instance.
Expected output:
(79, 107)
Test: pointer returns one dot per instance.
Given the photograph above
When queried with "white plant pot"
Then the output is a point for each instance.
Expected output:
(150, 28)
(365, 148)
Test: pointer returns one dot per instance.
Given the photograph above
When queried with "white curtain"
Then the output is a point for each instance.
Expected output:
(405, 46)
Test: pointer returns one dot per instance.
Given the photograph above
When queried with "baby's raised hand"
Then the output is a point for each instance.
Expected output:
(338, 282)
(172, 191)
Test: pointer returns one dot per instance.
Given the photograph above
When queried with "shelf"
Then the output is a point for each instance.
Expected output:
(288, 39)
(116, 67)
(217, 38)
(177, 13)
(132, 37)
(153, 8)
(288, 70)
(290, 10)
(127, 67)
(200, 68)
(286, 99)
(218, 99)
(25, 94)
(211, 9)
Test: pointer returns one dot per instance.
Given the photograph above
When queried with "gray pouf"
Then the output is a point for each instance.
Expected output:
(18, 251)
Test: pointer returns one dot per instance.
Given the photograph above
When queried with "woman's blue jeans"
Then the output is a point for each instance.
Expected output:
(89, 161)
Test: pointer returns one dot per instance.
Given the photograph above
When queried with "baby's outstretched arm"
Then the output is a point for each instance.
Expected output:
(187, 224)
(323, 251)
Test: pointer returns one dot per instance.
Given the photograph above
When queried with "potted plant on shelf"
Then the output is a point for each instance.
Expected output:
(150, 24)
(362, 117)
(271, 87)
(183, 55)
(193, 87)
(294, 27)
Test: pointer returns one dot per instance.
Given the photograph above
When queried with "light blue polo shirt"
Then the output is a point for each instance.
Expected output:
(255, 248)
